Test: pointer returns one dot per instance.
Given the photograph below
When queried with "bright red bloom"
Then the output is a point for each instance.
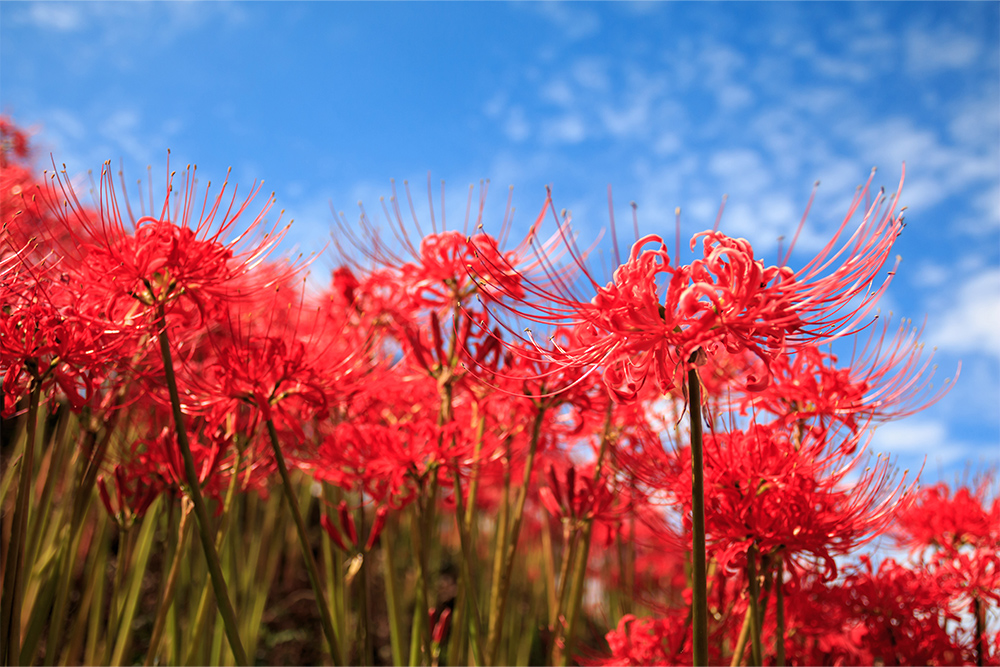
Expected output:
(901, 611)
(765, 488)
(161, 259)
(883, 380)
(939, 518)
(653, 316)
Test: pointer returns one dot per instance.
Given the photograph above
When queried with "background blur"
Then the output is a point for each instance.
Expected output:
(673, 104)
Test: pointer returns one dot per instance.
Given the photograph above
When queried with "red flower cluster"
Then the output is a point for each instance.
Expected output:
(406, 396)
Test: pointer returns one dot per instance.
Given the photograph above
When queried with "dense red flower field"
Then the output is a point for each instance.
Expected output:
(464, 449)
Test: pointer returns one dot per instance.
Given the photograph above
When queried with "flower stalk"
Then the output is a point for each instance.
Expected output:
(194, 490)
(699, 596)
(307, 555)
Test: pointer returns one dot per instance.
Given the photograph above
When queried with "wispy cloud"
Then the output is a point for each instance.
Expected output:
(932, 51)
(572, 20)
(63, 17)
(915, 439)
(971, 322)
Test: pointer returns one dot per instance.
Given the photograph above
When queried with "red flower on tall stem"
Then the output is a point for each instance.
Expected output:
(653, 315)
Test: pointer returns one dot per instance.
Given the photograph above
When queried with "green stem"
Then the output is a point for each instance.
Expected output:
(126, 545)
(741, 642)
(576, 592)
(13, 580)
(204, 609)
(472, 600)
(307, 554)
(755, 616)
(391, 596)
(583, 552)
(194, 489)
(499, 603)
(82, 495)
(93, 565)
(168, 590)
(699, 596)
(97, 600)
(779, 586)
(420, 638)
(137, 570)
(571, 537)
(977, 608)
(549, 565)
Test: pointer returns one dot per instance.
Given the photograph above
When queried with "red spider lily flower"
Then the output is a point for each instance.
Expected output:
(949, 521)
(765, 489)
(393, 453)
(650, 641)
(587, 500)
(653, 316)
(161, 259)
(13, 143)
(444, 267)
(133, 496)
(290, 359)
(51, 338)
(900, 610)
(884, 379)
(347, 528)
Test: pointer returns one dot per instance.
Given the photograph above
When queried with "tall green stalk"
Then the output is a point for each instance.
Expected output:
(582, 558)
(779, 640)
(13, 580)
(755, 615)
(307, 554)
(169, 587)
(699, 597)
(391, 596)
(507, 547)
(194, 489)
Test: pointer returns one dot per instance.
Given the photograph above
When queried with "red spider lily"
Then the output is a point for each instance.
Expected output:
(390, 462)
(959, 542)
(901, 611)
(445, 267)
(585, 499)
(133, 496)
(51, 335)
(727, 300)
(649, 641)
(287, 359)
(764, 489)
(158, 457)
(938, 518)
(347, 528)
(51, 346)
(882, 381)
(13, 143)
(177, 255)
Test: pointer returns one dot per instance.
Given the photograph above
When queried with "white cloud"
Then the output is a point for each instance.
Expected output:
(568, 129)
(929, 274)
(591, 73)
(574, 22)
(629, 121)
(515, 126)
(558, 92)
(743, 171)
(931, 52)
(914, 438)
(667, 143)
(972, 322)
(59, 16)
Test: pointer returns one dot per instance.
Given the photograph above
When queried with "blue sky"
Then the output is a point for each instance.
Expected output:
(673, 104)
